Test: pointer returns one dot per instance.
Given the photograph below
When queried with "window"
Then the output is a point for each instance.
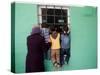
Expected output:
(53, 15)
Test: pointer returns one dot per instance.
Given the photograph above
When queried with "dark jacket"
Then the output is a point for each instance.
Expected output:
(35, 58)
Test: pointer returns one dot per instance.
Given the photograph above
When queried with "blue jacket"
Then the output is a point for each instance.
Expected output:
(65, 41)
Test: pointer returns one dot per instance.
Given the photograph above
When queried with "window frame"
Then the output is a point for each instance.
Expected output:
(40, 7)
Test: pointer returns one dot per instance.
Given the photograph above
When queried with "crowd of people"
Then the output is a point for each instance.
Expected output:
(44, 40)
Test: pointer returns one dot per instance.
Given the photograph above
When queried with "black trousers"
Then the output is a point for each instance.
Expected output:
(62, 53)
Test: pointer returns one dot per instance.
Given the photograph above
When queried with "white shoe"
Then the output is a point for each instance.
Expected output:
(65, 57)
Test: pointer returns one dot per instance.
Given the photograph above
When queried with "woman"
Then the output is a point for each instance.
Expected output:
(36, 46)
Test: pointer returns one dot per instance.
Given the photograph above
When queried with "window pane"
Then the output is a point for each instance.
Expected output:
(50, 12)
(50, 19)
(58, 12)
(64, 12)
(44, 19)
(58, 19)
(44, 11)
(65, 19)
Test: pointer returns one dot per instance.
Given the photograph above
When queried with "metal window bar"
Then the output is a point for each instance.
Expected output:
(53, 7)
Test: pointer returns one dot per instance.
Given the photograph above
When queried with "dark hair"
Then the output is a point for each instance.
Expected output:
(66, 28)
(44, 25)
(52, 28)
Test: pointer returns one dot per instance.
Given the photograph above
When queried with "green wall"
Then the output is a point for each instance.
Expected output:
(83, 36)
(25, 19)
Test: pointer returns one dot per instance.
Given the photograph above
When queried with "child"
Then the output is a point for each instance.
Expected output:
(55, 48)
(45, 34)
(65, 45)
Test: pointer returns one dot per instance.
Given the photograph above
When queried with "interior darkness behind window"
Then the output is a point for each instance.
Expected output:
(54, 16)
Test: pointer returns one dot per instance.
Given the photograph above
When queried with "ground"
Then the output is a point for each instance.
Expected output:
(49, 66)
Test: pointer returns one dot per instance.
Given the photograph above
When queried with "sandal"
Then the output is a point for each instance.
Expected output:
(58, 65)
(55, 64)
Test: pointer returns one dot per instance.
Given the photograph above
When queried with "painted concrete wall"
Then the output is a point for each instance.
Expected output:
(83, 36)
(25, 19)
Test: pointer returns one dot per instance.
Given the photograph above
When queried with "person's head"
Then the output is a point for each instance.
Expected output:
(36, 30)
(54, 32)
(65, 29)
(44, 25)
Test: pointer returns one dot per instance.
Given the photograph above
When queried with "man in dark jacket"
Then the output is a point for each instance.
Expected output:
(36, 47)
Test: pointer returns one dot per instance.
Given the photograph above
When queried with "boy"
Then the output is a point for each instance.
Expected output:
(65, 46)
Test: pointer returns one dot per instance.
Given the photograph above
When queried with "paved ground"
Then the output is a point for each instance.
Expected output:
(49, 66)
